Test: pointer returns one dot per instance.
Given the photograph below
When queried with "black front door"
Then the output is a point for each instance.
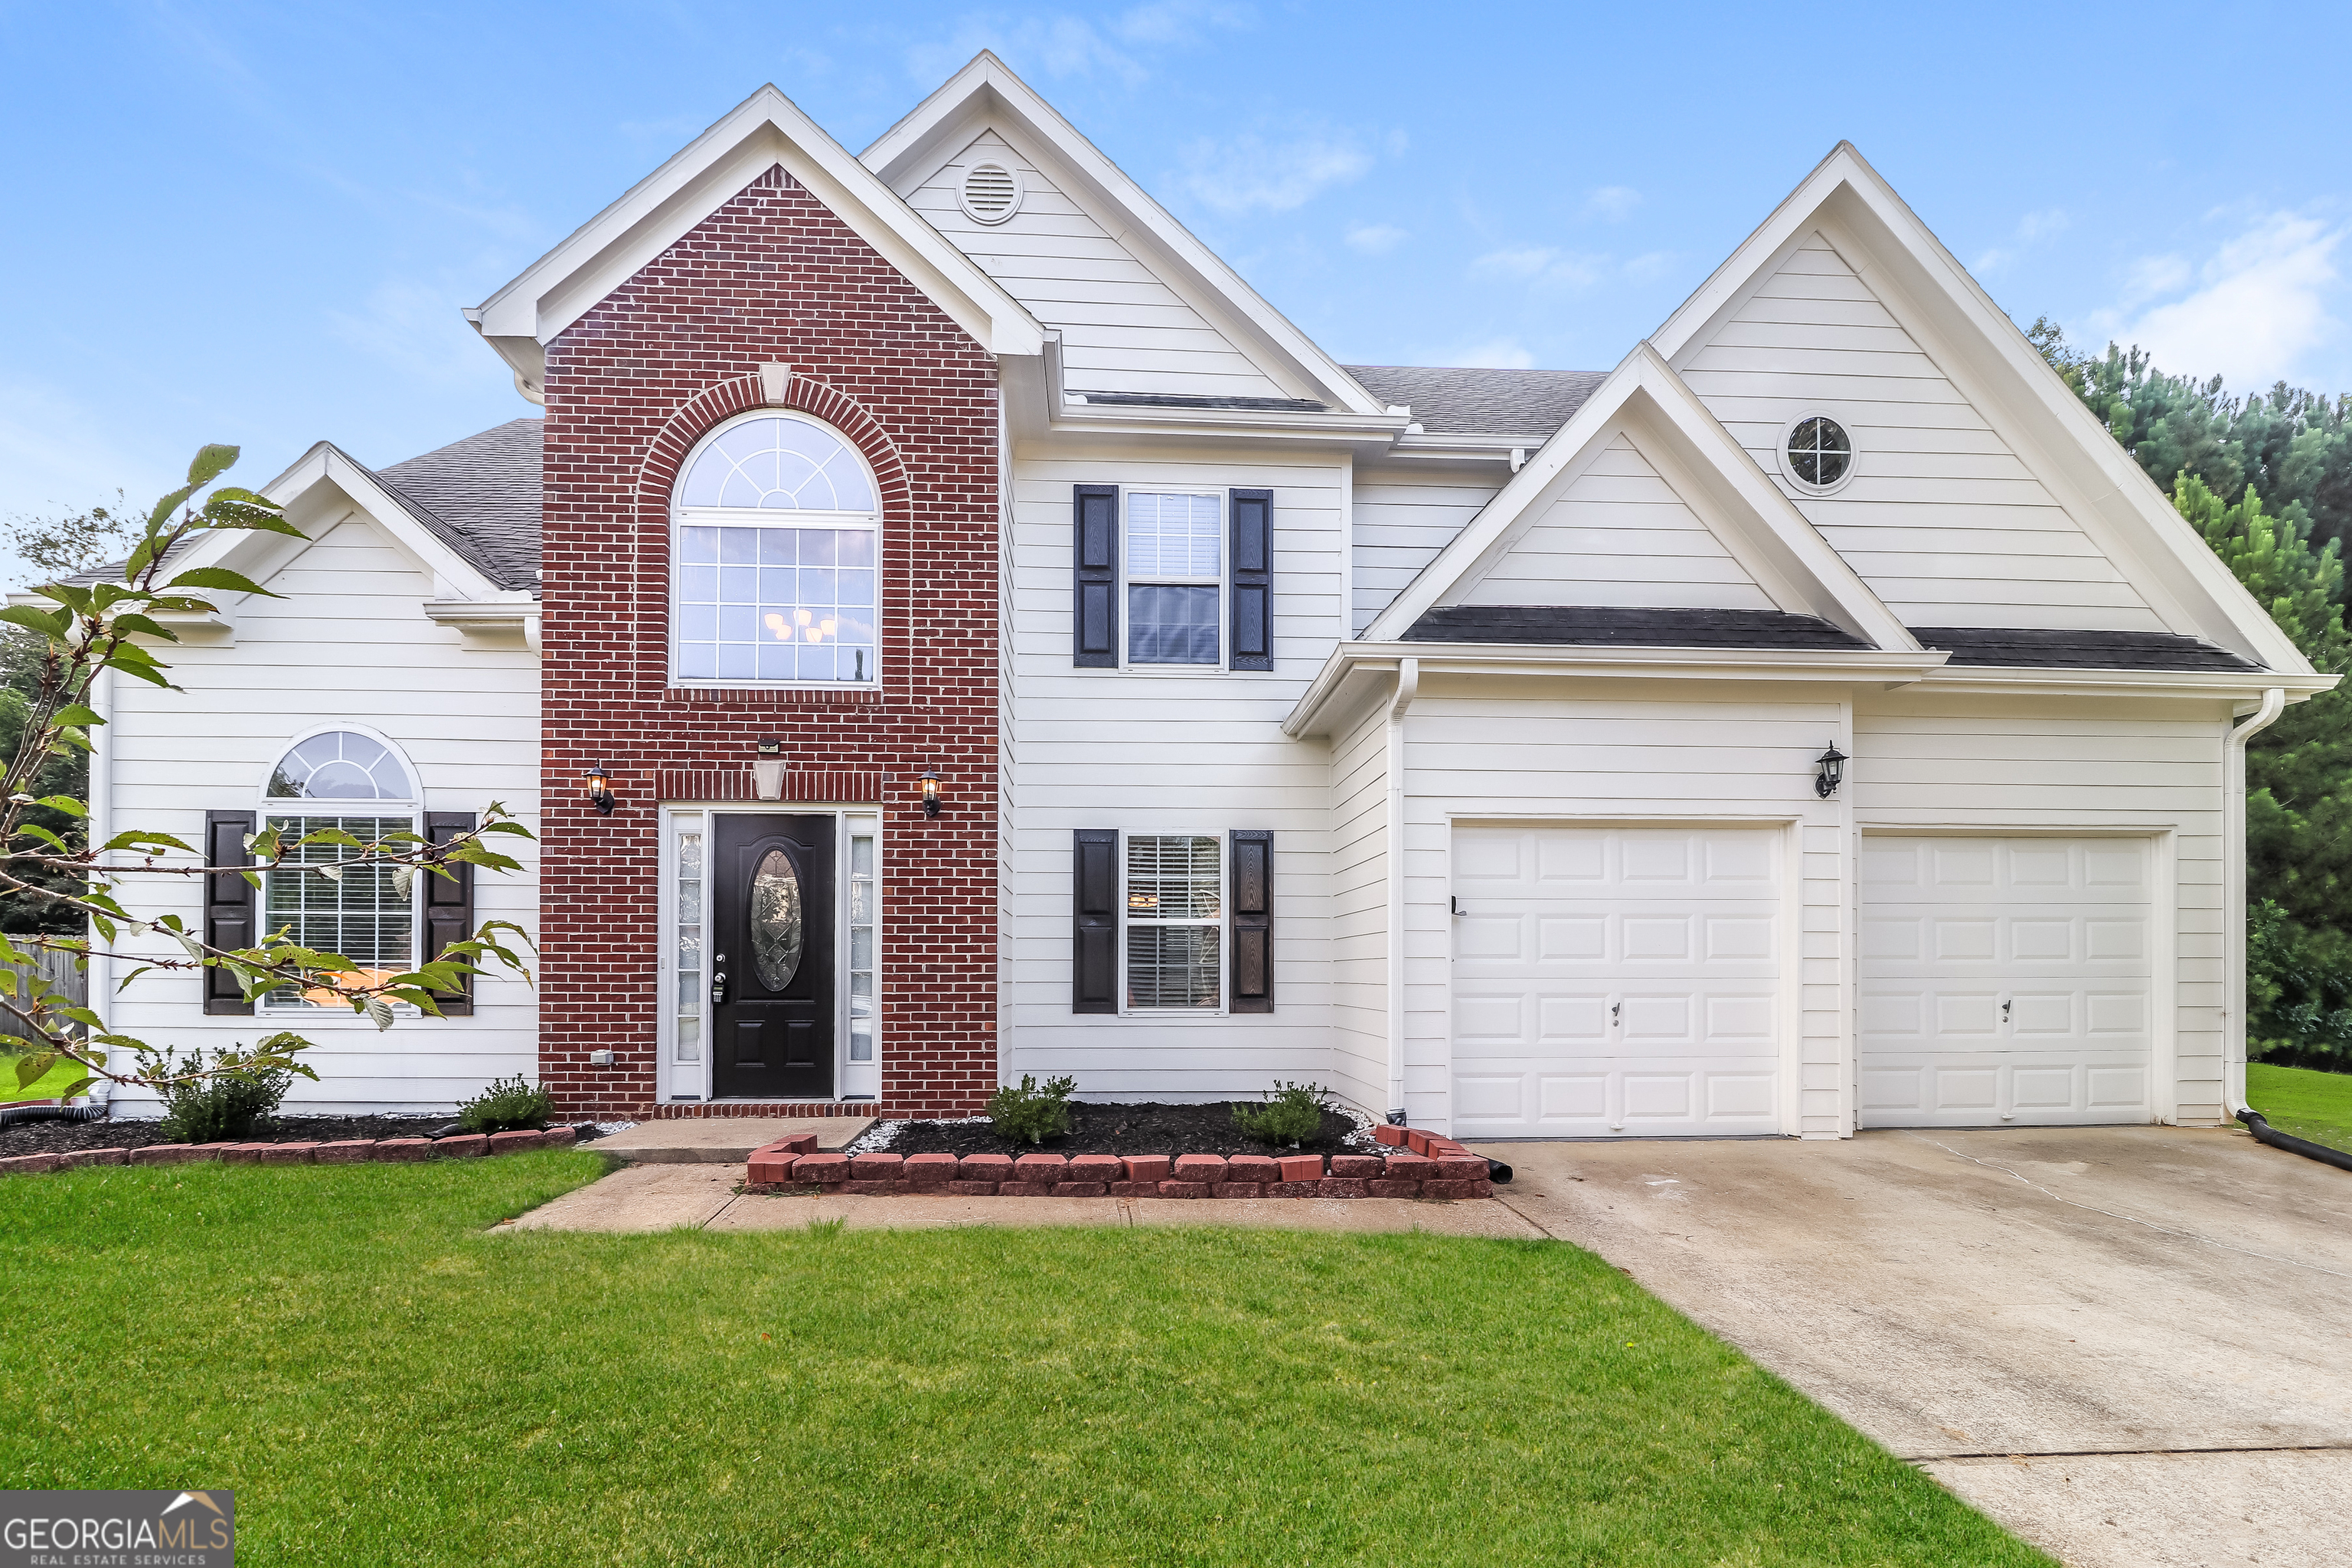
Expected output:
(771, 959)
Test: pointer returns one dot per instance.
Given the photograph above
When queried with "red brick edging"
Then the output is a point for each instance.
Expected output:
(1436, 1167)
(354, 1151)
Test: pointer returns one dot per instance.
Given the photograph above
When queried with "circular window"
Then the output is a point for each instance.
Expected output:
(1820, 454)
(991, 192)
(339, 765)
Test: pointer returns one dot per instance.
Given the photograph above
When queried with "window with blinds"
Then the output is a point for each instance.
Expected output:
(325, 901)
(1174, 902)
(1175, 577)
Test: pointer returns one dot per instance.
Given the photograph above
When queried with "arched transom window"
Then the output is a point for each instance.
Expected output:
(776, 552)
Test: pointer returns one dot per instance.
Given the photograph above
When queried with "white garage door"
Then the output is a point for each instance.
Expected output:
(2005, 981)
(1616, 980)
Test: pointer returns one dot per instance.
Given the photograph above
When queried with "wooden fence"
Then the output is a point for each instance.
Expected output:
(58, 970)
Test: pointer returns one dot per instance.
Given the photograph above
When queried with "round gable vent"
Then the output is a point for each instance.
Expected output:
(991, 192)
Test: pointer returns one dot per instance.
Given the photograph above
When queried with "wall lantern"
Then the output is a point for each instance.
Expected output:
(1832, 764)
(767, 769)
(931, 792)
(600, 788)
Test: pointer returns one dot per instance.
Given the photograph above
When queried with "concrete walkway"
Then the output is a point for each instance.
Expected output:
(697, 1196)
(2130, 1345)
(724, 1140)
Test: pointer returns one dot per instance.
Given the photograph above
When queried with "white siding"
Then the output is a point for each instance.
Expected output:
(1614, 533)
(348, 644)
(1941, 517)
(1404, 517)
(1922, 759)
(1359, 918)
(1158, 751)
(1123, 328)
(1475, 753)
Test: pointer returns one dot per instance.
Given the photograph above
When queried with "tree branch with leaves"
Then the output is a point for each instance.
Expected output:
(86, 627)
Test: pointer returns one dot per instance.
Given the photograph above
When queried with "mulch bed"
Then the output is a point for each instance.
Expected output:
(65, 1136)
(1149, 1127)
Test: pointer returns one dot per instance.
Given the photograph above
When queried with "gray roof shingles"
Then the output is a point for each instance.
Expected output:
(2014, 647)
(1467, 401)
(1628, 627)
(481, 497)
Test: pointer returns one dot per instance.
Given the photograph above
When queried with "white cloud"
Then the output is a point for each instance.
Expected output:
(1494, 353)
(414, 326)
(2031, 229)
(1179, 21)
(1612, 202)
(1249, 173)
(1056, 45)
(2260, 303)
(1375, 238)
(1542, 264)
(1651, 266)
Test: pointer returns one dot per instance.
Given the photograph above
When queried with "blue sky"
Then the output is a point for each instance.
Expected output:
(256, 224)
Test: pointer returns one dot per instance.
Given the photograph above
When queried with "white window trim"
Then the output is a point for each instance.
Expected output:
(412, 809)
(1788, 470)
(1224, 922)
(1224, 584)
(675, 1081)
(731, 516)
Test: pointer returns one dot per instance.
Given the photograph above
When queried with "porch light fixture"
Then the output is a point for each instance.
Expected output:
(1832, 764)
(931, 792)
(600, 788)
(767, 769)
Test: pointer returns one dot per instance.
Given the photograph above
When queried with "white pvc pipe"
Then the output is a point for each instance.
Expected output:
(2233, 897)
(1408, 685)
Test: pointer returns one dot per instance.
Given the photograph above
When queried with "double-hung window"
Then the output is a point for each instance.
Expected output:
(1190, 573)
(776, 559)
(1175, 578)
(1172, 922)
(1175, 909)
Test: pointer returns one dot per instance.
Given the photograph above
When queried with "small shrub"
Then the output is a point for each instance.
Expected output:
(1292, 1114)
(225, 1105)
(1030, 1114)
(508, 1103)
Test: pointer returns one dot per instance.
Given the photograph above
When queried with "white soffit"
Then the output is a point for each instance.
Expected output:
(986, 94)
(1796, 568)
(2012, 388)
(765, 129)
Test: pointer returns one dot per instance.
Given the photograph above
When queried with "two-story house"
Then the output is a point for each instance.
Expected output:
(945, 626)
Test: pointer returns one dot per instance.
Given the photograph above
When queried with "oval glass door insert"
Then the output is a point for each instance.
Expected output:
(776, 920)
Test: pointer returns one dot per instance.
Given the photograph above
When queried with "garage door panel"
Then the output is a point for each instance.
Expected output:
(2060, 929)
(1642, 985)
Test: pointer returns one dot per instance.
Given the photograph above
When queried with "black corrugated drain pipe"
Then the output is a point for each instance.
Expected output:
(2265, 1133)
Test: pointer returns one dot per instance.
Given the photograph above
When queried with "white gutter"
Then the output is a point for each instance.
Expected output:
(1408, 685)
(2233, 895)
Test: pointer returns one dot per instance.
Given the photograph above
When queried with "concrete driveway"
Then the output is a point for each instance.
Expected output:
(2130, 1345)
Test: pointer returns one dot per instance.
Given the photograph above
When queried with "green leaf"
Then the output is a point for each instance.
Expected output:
(220, 577)
(168, 505)
(136, 837)
(79, 1086)
(33, 830)
(379, 1013)
(34, 1065)
(64, 803)
(146, 672)
(67, 593)
(74, 713)
(49, 623)
(211, 463)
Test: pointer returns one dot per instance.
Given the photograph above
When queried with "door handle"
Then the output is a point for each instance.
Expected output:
(1615, 1011)
(719, 988)
(2004, 1011)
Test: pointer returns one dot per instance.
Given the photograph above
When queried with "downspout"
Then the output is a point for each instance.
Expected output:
(99, 976)
(1408, 685)
(2233, 895)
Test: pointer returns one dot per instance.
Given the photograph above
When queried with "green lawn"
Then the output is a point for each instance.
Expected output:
(2314, 1105)
(383, 1383)
(60, 1076)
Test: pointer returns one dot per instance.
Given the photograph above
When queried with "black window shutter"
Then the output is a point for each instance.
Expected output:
(1252, 879)
(228, 907)
(1095, 956)
(1094, 607)
(1253, 594)
(449, 908)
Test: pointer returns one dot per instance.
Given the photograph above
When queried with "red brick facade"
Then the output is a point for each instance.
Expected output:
(771, 278)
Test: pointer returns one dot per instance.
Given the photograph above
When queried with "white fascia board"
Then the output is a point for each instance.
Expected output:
(1852, 667)
(2244, 686)
(1762, 529)
(987, 93)
(766, 128)
(1974, 341)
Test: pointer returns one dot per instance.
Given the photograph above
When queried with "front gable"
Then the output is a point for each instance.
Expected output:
(1983, 492)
